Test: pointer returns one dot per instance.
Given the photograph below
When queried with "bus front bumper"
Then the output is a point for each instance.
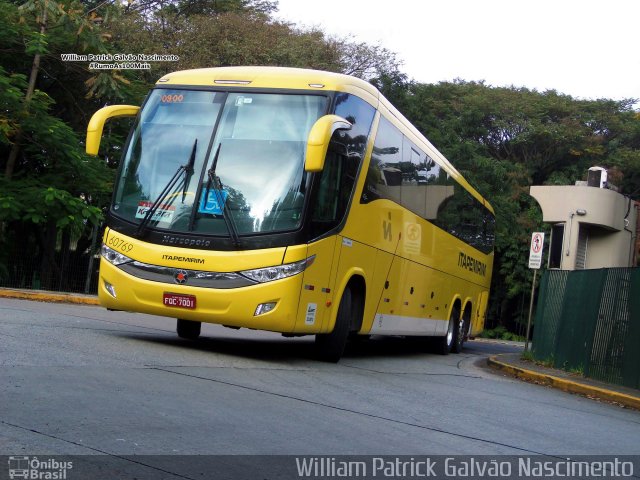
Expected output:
(235, 307)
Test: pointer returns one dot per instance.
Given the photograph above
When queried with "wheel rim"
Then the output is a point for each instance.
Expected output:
(450, 333)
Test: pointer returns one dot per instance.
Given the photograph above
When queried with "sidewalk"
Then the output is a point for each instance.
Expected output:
(512, 364)
(45, 296)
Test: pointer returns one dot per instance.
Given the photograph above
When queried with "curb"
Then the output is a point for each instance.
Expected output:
(564, 384)
(41, 296)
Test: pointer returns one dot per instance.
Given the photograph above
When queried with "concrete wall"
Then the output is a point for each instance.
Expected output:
(608, 218)
(607, 249)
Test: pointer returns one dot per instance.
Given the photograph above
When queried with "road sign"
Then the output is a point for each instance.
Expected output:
(535, 252)
(535, 262)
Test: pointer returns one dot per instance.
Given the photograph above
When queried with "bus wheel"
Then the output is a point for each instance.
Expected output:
(330, 346)
(456, 347)
(188, 329)
(445, 344)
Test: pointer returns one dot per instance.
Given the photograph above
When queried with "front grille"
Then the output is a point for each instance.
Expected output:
(194, 278)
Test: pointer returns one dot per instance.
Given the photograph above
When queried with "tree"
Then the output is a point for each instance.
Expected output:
(207, 33)
(50, 189)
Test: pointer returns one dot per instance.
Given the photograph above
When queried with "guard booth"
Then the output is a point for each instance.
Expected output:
(593, 225)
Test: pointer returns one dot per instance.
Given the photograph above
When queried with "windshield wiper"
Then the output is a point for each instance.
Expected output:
(222, 204)
(189, 169)
(173, 181)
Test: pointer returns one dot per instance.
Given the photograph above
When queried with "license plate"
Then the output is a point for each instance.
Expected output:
(178, 300)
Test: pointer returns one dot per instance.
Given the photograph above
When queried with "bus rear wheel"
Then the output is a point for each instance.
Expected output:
(188, 329)
(446, 344)
(330, 346)
(459, 336)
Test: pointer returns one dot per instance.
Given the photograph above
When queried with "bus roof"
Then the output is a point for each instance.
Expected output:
(313, 80)
(269, 77)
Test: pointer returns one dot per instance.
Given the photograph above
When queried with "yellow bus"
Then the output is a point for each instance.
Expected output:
(294, 201)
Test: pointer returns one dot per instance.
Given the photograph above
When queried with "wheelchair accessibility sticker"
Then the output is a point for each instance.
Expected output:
(210, 204)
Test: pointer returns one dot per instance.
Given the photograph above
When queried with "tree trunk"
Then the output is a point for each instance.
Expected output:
(35, 70)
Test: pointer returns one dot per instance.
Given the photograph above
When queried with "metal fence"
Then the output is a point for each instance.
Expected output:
(588, 321)
(72, 269)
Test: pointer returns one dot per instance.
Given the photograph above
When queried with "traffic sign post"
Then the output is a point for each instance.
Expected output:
(535, 251)
(535, 262)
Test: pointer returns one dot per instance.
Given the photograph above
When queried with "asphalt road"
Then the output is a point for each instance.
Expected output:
(81, 380)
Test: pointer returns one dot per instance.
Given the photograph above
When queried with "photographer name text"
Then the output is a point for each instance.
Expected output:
(329, 467)
(119, 57)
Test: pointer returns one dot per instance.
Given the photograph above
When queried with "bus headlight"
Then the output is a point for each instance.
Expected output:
(113, 257)
(269, 274)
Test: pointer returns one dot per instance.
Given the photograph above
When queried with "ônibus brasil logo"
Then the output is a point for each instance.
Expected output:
(33, 468)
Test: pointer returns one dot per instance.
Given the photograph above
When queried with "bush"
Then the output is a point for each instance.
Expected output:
(501, 333)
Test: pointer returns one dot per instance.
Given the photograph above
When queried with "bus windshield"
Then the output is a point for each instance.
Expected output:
(249, 168)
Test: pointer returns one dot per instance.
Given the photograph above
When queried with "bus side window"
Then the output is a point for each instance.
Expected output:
(384, 177)
(334, 190)
(360, 114)
(464, 217)
(336, 183)
(414, 192)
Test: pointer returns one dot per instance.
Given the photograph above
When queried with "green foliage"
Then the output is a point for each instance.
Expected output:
(11, 98)
(501, 333)
(494, 333)
(234, 32)
(53, 189)
(527, 356)
(36, 44)
(530, 356)
(579, 370)
(39, 205)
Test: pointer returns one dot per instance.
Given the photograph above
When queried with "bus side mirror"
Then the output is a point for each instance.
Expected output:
(96, 124)
(319, 138)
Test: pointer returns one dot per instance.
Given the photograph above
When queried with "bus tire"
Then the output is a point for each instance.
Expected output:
(464, 328)
(445, 344)
(458, 341)
(188, 329)
(330, 346)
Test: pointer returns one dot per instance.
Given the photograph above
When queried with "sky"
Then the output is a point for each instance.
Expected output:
(584, 48)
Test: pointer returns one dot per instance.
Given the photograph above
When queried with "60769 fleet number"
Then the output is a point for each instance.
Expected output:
(119, 244)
